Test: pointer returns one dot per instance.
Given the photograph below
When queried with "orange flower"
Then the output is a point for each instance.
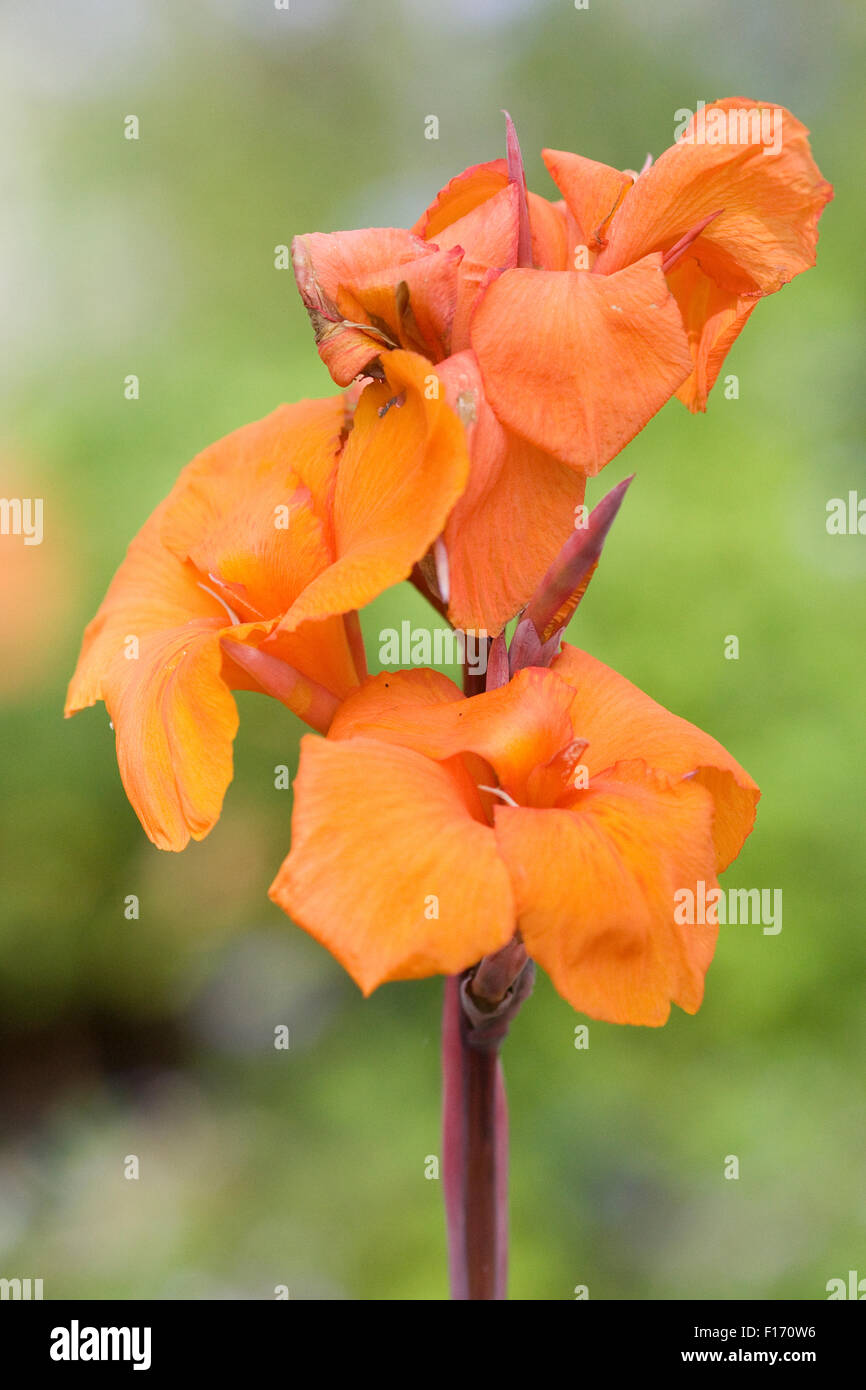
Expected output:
(248, 576)
(368, 292)
(727, 221)
(550, 367)
(567, 804)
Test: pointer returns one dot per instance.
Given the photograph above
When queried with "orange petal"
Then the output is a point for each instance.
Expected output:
(175, 720)
(495, 562)
(479, 186)
(771, 202)
(514, 728)
(620, 722)
(459, 197)
(152, 654)
(253, 513)
(713, 320)
(321, 651)
(326, 262)
(151, 592)
(553, 237)
(382, 706)
(594, 889)
(487, 233)
(592, 192)
(415, 304)
(403, 468)
(577, 363)
(213, 547)
(389, 869)
(253, 509)
(488, 237)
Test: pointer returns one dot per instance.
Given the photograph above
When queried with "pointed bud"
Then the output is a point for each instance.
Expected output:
(495, 975)
(517, 175)
(565, 583)
(525, 646)
(497, 663)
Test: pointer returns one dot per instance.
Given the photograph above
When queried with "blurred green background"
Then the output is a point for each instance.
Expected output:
(155, 1037)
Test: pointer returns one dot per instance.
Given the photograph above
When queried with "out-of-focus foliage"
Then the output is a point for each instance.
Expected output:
(155, 1037)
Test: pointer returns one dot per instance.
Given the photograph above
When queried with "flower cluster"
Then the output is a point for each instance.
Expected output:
(492, 357)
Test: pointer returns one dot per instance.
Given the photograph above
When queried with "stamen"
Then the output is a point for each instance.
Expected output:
(370, 328)
(395, 400)
(236, 621)
(497, 791)
(443, 570)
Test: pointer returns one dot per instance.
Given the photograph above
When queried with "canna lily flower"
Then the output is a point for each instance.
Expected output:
(249, 575)
(557, 330)
(727, 222)
(373, 291)
(565, 805)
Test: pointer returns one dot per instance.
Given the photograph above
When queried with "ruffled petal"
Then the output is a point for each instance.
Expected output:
(495, 561)
(713, 319)
(620, 722)
(577, 363)
(392, 702)
(592, 192)
(214, 561)
(325, 263)
(252, 512)
(151, 592)
(594, 889)
(487, 233)
(378, 871)
(414, 306)
(488, 238)
(768, 200)
(461, 196)
(175, 721)
(514, 728)
(403, 467)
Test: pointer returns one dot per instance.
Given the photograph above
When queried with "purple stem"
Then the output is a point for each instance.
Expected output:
(479, 1006)
(475, 1157)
